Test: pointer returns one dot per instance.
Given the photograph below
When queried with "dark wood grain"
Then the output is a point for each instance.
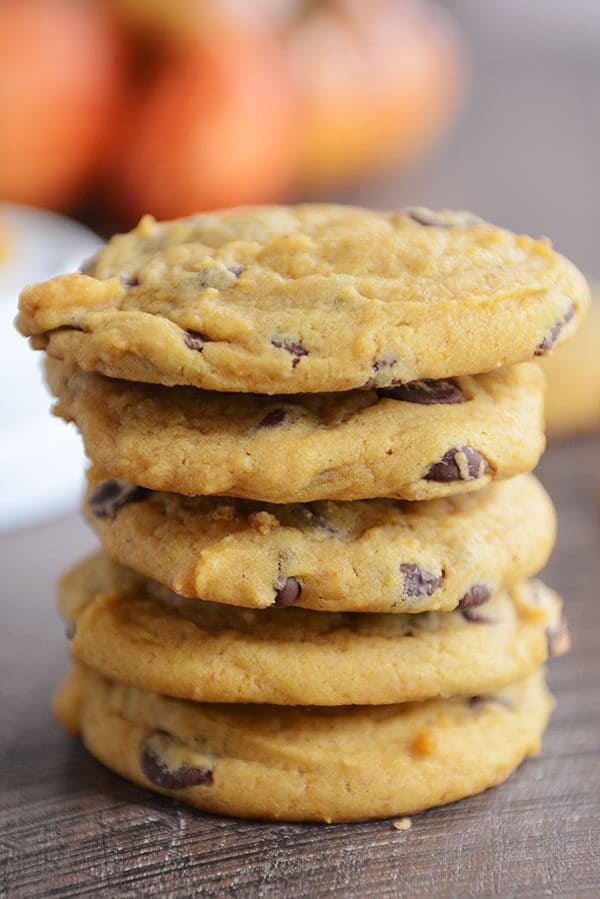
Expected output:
(70, 828)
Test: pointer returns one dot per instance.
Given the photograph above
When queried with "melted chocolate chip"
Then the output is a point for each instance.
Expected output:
(129, 281)
(475, 596)
(112, 495)
(287, 591)
(194, 340)
(418, 581)
(460, 463)
(558, 639)
(295, 349)
(550, 337)
(476, 617)
(274, 418)
(426, 392)
(157, 771)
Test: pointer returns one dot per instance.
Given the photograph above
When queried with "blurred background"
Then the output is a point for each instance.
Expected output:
(113, 108)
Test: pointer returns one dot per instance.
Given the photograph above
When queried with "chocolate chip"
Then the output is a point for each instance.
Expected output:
(475, 596)
(558, 639)
(426, 392)
(217, 276)
(287, 591)
(460, 463)
(430, 217)
(295, 349)
(476, 617)
(384, 362)
(477, 700)
(88, 265)
(418, 581)
(194, 340)
(485, 700)
(160, 774)
(274, 417)
(112, 495)
(550, 338)
(427, 217)
(70, 630)
(316, 520)
(129, 281)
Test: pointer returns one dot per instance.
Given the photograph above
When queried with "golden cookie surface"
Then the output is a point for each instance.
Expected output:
(295, 764)
(312, 298)
(363, 556)
(356, 445)
(135, 632)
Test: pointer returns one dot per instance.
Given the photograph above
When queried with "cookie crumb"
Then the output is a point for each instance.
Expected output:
(402, 824)
(263, 522)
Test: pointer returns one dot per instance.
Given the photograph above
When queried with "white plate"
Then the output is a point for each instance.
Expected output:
(41, 459)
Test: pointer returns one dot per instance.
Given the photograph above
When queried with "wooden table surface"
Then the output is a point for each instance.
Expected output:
(526, 155)
(71, 828)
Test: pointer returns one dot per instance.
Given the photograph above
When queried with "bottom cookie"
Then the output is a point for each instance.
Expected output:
(306, 764)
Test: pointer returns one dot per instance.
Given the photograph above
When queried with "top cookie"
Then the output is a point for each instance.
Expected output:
(307, 299)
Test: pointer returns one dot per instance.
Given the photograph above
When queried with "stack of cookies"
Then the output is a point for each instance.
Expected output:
(310, 430)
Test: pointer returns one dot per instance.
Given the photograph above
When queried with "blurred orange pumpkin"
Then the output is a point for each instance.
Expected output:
(376, 81)
(255, 101)
(60, 72)
(215, 128)
(182, 19)
(189, 104)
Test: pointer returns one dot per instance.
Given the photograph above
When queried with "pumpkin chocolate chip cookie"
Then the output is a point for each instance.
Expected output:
(363, 556)
(134, 631)
(416, 441)
(313, 764)
(311, 298)
(573, 376)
